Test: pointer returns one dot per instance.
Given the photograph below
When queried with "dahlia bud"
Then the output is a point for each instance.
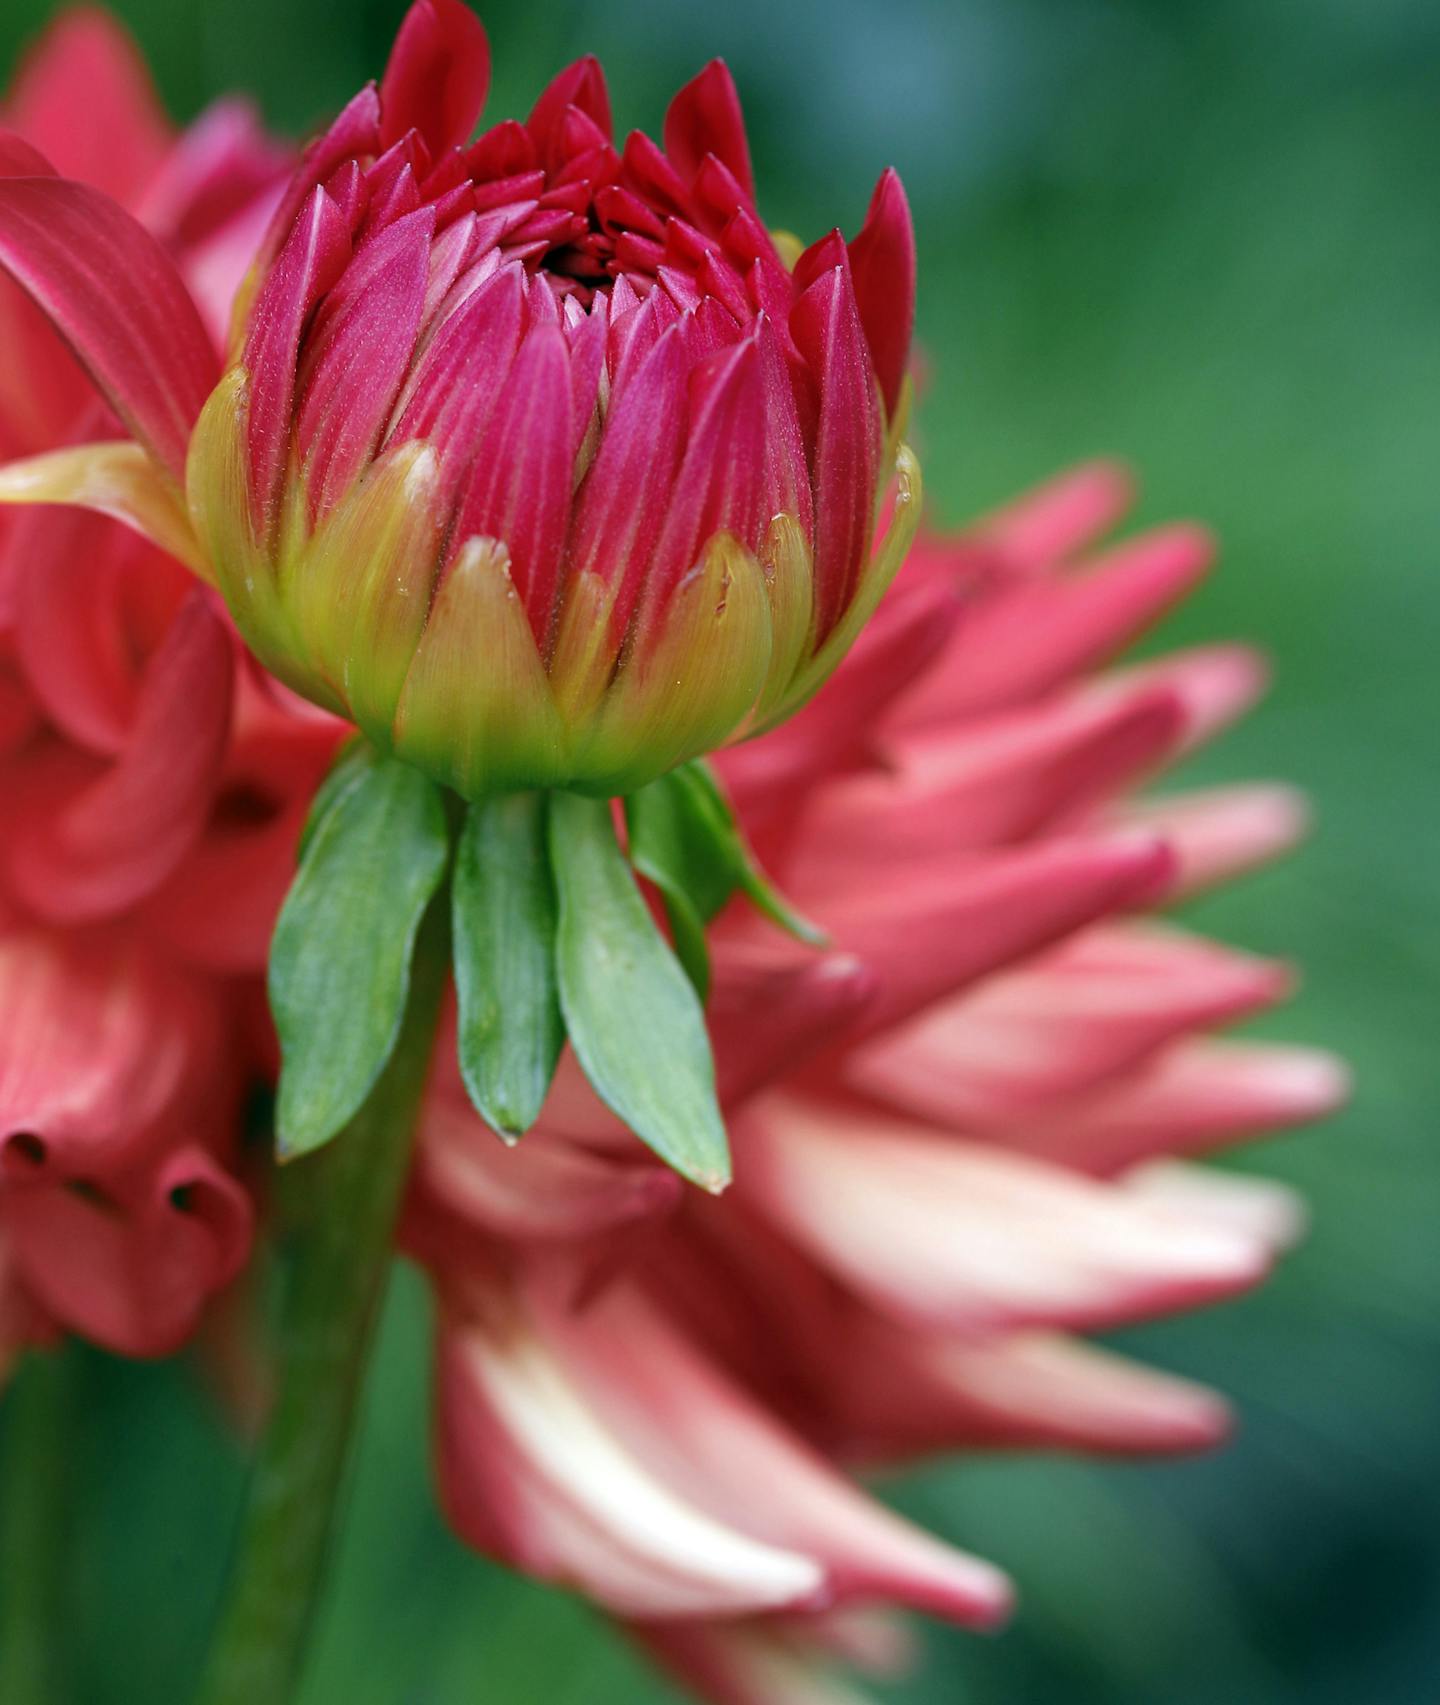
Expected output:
(534, 458)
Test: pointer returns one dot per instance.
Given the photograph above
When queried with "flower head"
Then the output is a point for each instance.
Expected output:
(535, 457)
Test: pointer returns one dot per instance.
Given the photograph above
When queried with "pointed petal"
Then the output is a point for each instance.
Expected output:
(315, 254)
(357, 353)
(1017, 1048)
(1026, 640)
(939, 932)
(705, 118)
(115, 296)
(484, 731)
(882, 263)
(965, 1237)
(529, 1473)
(438, 75)
(1198, 1096)
(1221, 833)
(520, 489)
(825, 322)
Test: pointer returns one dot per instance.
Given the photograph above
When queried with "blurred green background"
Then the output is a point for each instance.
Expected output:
(1204, 234)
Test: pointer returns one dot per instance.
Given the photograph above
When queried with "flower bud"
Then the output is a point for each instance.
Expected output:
(534, 458)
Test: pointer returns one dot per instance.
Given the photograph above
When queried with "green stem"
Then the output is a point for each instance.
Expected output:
(34, 1509)
(346, 1198)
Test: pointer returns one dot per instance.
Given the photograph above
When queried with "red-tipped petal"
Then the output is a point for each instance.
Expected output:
(357, 354)
(622, 504)
(312, 260)
(116, 298)
(457, 379)
(705, 118)
(719, 483)
(354, 134)
(882, 263)
(580, 85)
(520, 490)
(826, 325)
(438, 75)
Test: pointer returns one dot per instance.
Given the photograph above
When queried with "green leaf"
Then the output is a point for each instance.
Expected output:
(355, 759)
(634, 1020)
(374, 855)
(511, 1031)
(684, 839)
(664, 850)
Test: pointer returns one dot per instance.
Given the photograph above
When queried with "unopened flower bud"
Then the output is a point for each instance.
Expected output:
(534, 458)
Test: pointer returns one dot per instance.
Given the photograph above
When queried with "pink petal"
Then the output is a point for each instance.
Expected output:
(354, 135)
(115, 296)
(1022, 1044)
(75, 628)
(547, 1190)
(581, 85)
(882, 263)
(92, 850)
(718, 486)
(460, 374)
(357, 353)
(438, 75)
(995, 782)
(965, 1237)
(943, 929)
(621, 1413)
(808, 1004)
(84, 96)
(825, 322)
(312, 260)
(1198, 1096)
(1066, 514)
(622, 504)
(705, 118)
(1221, 833)
(101, 1043)
(132, 1264)
(1025, 1390)
(521, 485)
(1025, 641)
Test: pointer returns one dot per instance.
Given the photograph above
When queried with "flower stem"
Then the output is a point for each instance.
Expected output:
(344, 1201)
(37, 1470)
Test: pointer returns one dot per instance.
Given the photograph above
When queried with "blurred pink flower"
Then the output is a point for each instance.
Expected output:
(963, 1139)
(153, 788)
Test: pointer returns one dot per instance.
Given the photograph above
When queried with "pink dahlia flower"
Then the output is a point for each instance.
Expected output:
(963, 1139)
(535, 456)
(153, 789)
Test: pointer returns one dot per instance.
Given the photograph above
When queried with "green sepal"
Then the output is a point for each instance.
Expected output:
(511, 1030)
(634, 1020)
(374, 853)
(684, 839)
